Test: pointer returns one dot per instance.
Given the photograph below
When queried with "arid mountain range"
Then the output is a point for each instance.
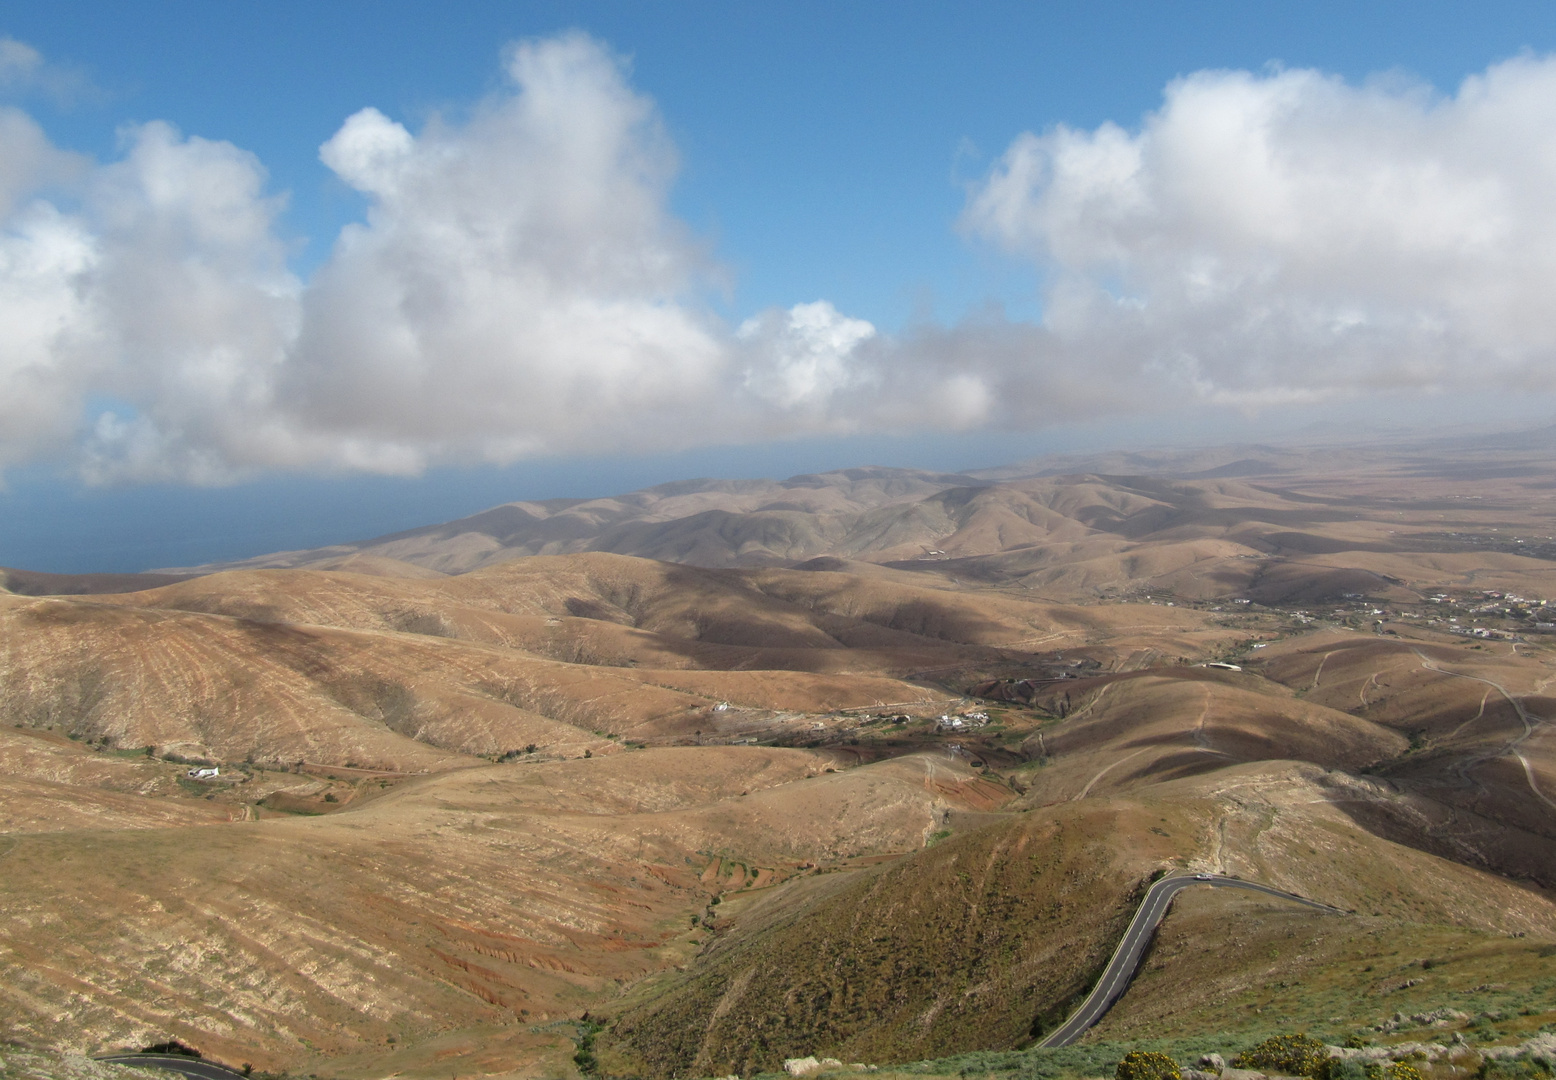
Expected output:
(870, 765)
(1076, 528)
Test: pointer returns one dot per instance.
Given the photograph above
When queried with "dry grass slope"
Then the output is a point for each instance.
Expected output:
(365, 890)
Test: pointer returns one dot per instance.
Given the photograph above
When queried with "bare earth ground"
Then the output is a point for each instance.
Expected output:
(741, 812)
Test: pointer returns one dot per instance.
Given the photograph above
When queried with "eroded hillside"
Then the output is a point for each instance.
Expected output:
(1276, 524)
(355, 817)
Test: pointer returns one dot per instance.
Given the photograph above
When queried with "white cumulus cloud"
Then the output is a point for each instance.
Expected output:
(1285, 237)
(518, 285)
(803, 356)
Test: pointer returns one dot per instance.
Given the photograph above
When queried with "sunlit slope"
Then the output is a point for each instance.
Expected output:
(971, 944)
(224, 687)
(681, 612)
(412, 675)
(231, 689)
(1481, 765)
(1290, 529)
(985, 940)
(964, 945)
(1242, 964)
(724, 522)
(52, 758)
(452, 902)
(1127, 729)
(1351, 841)
(1294, 540)
(49, 783)
(1433, 750)
(916, 905)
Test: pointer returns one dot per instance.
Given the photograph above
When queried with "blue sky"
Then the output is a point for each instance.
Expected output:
(850, 259)
(824, 145)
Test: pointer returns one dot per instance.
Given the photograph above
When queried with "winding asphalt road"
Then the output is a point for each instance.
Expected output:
(1115, 977)
(194, 1068)
(1126, 958)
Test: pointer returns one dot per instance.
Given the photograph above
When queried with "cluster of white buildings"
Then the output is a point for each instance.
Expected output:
(961, 722)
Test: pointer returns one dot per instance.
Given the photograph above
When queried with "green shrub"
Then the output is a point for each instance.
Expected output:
(1522, 1067)
(1146, 1065)
(1385, 1070)
(584, 1057)
(1293, 1055)
(1347, 1069)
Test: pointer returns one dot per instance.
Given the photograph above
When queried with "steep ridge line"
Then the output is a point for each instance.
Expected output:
(1121, 968)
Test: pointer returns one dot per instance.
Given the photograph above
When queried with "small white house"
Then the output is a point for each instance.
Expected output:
(198, 773)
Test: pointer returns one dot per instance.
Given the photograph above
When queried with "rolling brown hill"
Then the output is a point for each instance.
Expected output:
(981, 941)
(473, 898)
(737, 804)
(406, 675)
(704, 522)
(1278, 525)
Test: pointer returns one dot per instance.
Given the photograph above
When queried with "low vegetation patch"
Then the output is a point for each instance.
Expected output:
(1166, 1059)
(966, 944)
(1147, 1065)
(1289, 1055)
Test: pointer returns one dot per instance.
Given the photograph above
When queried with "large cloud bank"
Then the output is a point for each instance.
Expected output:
(519, 288)
(1288, 237)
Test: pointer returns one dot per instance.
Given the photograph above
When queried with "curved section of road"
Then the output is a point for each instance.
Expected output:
(194, 1068)
(1126, 958)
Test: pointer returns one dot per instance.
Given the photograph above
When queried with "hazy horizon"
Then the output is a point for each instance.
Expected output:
(136, 529)
(578, 249)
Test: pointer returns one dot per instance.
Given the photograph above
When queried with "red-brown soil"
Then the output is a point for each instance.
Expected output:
(456, 811)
